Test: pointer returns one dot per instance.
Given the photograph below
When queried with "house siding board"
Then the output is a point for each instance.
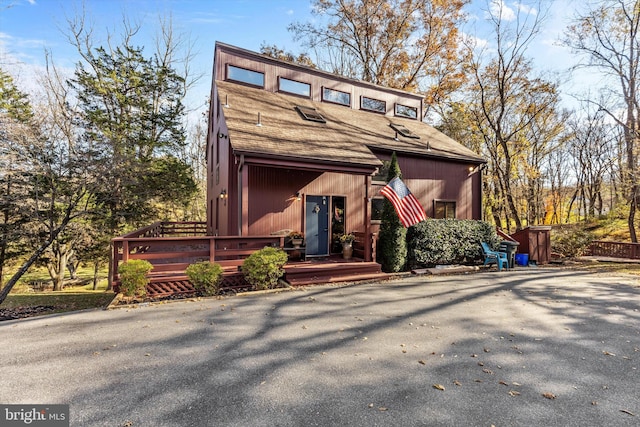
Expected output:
(226, 54)
(431, 179)
(273, 205)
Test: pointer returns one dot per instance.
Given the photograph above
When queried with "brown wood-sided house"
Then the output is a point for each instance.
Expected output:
(290, 147)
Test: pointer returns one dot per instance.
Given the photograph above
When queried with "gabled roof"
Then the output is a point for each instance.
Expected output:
(348, 137)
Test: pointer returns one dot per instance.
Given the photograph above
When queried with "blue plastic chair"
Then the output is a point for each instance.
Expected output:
(494, 257)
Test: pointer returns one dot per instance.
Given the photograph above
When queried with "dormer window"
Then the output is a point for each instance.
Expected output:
(406, 111)
(336, 96)
(242, 75)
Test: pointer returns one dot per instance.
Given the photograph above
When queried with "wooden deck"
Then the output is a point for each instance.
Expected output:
(171, 248)
(331, 270)
(297, 273)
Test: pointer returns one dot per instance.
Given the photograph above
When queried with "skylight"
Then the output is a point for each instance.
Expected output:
(310, 114)
(402, 130)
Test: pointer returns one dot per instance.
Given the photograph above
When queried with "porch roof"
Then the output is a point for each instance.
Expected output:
(345, 140)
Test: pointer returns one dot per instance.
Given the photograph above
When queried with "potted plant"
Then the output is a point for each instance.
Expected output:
(347, 245)
(296, 238)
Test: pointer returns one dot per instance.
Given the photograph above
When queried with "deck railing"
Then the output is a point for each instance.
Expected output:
(614, 249)
(171, 247)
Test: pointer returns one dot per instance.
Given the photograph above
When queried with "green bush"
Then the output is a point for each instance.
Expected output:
(448, 241)
(133, 277)
(205, 276)
(263, 268)
(570, 241)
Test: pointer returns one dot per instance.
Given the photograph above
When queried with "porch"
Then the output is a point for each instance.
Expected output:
(172, 246)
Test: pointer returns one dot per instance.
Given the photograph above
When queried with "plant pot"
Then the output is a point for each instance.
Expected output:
(347, 250)
(296, 243)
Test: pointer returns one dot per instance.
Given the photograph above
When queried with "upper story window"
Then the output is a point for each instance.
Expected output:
(374, 105)
(242, 75)
(406, 111)
(336, 96)
(294, 87)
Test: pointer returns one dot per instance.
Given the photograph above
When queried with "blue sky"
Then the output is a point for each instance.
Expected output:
(28, 27)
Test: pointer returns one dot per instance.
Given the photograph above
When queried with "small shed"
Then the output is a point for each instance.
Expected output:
(536, 242)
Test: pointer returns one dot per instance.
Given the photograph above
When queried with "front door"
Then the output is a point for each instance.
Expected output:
(317, 228)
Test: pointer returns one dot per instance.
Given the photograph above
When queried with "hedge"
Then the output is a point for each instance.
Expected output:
(448, 241)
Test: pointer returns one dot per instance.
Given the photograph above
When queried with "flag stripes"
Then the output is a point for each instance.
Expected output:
(406, 205)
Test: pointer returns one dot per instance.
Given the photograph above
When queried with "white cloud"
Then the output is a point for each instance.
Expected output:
(289, 12)
(527, 9)
(499, 9)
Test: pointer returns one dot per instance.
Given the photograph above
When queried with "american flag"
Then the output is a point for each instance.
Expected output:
(407, 206)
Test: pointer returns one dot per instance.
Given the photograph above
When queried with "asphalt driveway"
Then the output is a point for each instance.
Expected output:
(534, 347)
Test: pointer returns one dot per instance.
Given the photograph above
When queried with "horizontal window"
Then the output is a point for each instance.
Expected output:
(374, 105)
(336, 96)
(294, 87)
(406, 111)
(243, 75)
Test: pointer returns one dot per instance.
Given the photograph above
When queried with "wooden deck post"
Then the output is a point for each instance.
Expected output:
(212, 249)
(367, 220)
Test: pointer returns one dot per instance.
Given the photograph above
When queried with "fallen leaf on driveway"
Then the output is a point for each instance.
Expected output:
(514, 393)
(456, 382)
(606, 353)
(627, 412)
(382, 408)
(438, 387)
(503, 383)
(487, 371)
(422, 362)
(549, 395)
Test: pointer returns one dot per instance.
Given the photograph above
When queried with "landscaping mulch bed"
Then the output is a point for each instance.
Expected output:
(22, 312)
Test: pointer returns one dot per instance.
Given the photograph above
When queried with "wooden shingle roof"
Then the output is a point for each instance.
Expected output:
(348, 136)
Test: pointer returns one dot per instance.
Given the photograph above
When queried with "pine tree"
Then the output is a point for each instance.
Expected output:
(393, 235)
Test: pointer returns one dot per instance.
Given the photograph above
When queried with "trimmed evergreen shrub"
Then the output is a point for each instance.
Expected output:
(205, 276)
(392, 239)
(448, 241)
(133, 277)
(263, 268)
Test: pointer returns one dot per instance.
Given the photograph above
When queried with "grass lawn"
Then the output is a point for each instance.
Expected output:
(24, 300)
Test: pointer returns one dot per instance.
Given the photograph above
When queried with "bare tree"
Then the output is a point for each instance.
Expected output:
(607, 36)
(508, 103)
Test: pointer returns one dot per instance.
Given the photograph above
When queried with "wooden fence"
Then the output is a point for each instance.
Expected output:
(614, 249)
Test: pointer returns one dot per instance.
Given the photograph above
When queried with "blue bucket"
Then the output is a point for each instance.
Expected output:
(522, 259)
